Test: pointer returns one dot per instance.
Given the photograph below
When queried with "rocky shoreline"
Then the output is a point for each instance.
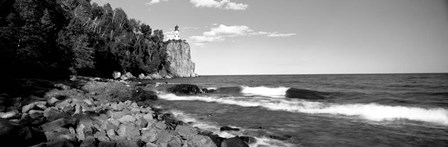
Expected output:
(92, 112)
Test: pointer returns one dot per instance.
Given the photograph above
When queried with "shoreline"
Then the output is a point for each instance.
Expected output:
(98, 112)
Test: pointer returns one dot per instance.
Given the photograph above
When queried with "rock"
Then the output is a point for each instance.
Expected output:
(116, 75)
(116, 115)
(248, 139)
(200, 141)
(111, 134)
(7, 131)
(36, 113)
(9, 115)
(186, 132)
(109, 125)
(127, 119)
(127, 143)
(56, 124)
(233, 142)
(53, 114)
(166, 137)
(179, 59)
(149, 135)
(31, 136)
(28, 107)
(160, 125)
(128, 131)
(215, 138)
(148, 117)
(227, 128)
(88, 102)
(52, 101)
(205, 90)
(141, 76)
(149, 144)
(89, 142)
(118, 107)
(101, 136)
(60, 134)
(60, 143)
(106, 144)
(139, 94)
(62, 86)
(184, 89)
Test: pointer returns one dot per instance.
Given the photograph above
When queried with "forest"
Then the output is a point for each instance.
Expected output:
(59, 38)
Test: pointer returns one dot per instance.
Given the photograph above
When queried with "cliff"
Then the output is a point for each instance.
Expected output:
(179, 59)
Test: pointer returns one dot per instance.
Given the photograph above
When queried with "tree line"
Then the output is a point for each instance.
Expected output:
(58, 38)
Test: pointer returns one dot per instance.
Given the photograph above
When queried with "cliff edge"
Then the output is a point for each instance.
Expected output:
(179, 59)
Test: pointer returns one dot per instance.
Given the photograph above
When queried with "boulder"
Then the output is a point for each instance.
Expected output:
(200, 141)
(184, 89)
(149, 135)
(227, 128)
(127, 143)
(56, 124)
(128, 131)
(141, 76)
(248, 139)
(233, 142)
(31, 136)
(53, 114)
(60, 143)
(116, 74)
(106, 144)
(168, 138)
(89, 142)
(52, 101)
(36, 113)
(28, 107)
(9, 115)
(127, 119)
(186, 132)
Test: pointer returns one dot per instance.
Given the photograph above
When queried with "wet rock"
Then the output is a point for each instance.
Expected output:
(184, 89)
(215, 138)
(227, 128)
(200, 141)
(248, 139)
(186, 132)
(233, 142)
(128, 131)
(89, 142)
(9, 115)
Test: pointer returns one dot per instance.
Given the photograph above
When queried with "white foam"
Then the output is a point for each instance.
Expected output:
(276, 92)
(372, 111)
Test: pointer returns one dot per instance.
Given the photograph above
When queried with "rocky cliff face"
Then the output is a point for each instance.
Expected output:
(179, 59)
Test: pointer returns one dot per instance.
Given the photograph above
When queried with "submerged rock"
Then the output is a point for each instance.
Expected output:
(233, 142)
(227, 128)
(186, 89)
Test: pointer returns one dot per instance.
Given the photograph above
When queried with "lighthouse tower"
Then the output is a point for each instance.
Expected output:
(176, 33)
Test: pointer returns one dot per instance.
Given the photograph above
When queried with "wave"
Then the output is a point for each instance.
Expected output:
(214, 127)
(277, 92)
(371, 111)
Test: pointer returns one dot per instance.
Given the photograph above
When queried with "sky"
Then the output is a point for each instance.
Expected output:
(239, 37)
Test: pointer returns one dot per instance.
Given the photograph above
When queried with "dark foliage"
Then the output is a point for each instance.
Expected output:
(58, 38)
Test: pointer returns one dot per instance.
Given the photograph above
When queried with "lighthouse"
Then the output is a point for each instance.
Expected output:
(176, 33)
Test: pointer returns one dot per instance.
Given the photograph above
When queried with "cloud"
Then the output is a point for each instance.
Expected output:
(221, 32)
(224, 4)
(154, 2)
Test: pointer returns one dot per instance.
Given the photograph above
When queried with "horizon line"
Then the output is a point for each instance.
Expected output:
(321, 74)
